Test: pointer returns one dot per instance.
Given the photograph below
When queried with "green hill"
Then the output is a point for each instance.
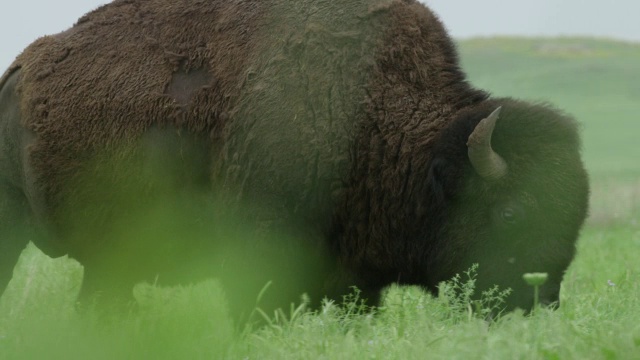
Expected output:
(598, 81)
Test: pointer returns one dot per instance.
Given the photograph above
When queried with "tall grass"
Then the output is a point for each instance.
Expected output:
(599, 318)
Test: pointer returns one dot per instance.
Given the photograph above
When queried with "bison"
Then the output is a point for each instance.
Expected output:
(316, 144)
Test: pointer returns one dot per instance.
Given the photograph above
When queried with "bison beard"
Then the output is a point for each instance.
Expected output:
(315, 144)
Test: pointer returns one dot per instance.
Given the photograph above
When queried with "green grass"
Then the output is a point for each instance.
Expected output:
(597, 320)
(600, 314)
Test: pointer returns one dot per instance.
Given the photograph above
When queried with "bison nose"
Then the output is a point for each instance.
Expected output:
(549, 303)
(550, 298)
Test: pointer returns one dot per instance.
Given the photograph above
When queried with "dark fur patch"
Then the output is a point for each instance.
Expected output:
(184, 83)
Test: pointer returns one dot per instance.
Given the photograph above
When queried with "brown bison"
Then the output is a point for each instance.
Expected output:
(317, 144)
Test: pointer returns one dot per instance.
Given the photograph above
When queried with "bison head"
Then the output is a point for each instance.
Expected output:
(512, 200)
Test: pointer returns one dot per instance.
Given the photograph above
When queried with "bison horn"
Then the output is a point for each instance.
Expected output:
(485, 161)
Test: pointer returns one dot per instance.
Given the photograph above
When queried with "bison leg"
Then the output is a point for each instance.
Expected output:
(14, 221)
(146, 224)
(14, 207)
(106, 287)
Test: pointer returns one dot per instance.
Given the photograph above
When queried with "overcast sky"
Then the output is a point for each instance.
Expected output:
(25, 20)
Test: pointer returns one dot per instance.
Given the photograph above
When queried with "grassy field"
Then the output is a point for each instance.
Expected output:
(597, 81)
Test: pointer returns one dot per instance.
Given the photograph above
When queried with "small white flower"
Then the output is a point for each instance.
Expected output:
(611, 283)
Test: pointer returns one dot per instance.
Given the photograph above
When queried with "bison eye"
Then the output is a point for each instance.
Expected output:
(509, 215)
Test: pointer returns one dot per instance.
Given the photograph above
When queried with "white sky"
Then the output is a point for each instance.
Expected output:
(25, 20)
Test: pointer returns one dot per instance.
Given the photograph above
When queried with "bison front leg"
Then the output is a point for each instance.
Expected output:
(106, 288)
(14, 228)
(14, 207)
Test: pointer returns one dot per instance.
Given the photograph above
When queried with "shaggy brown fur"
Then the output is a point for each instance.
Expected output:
(416, 87)
(110, 77)
(344, 122)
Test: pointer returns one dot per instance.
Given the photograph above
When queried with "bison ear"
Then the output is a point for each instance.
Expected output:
(436, 179)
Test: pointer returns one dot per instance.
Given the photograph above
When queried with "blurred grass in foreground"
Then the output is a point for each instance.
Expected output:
(598, 318)
(598, 81)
